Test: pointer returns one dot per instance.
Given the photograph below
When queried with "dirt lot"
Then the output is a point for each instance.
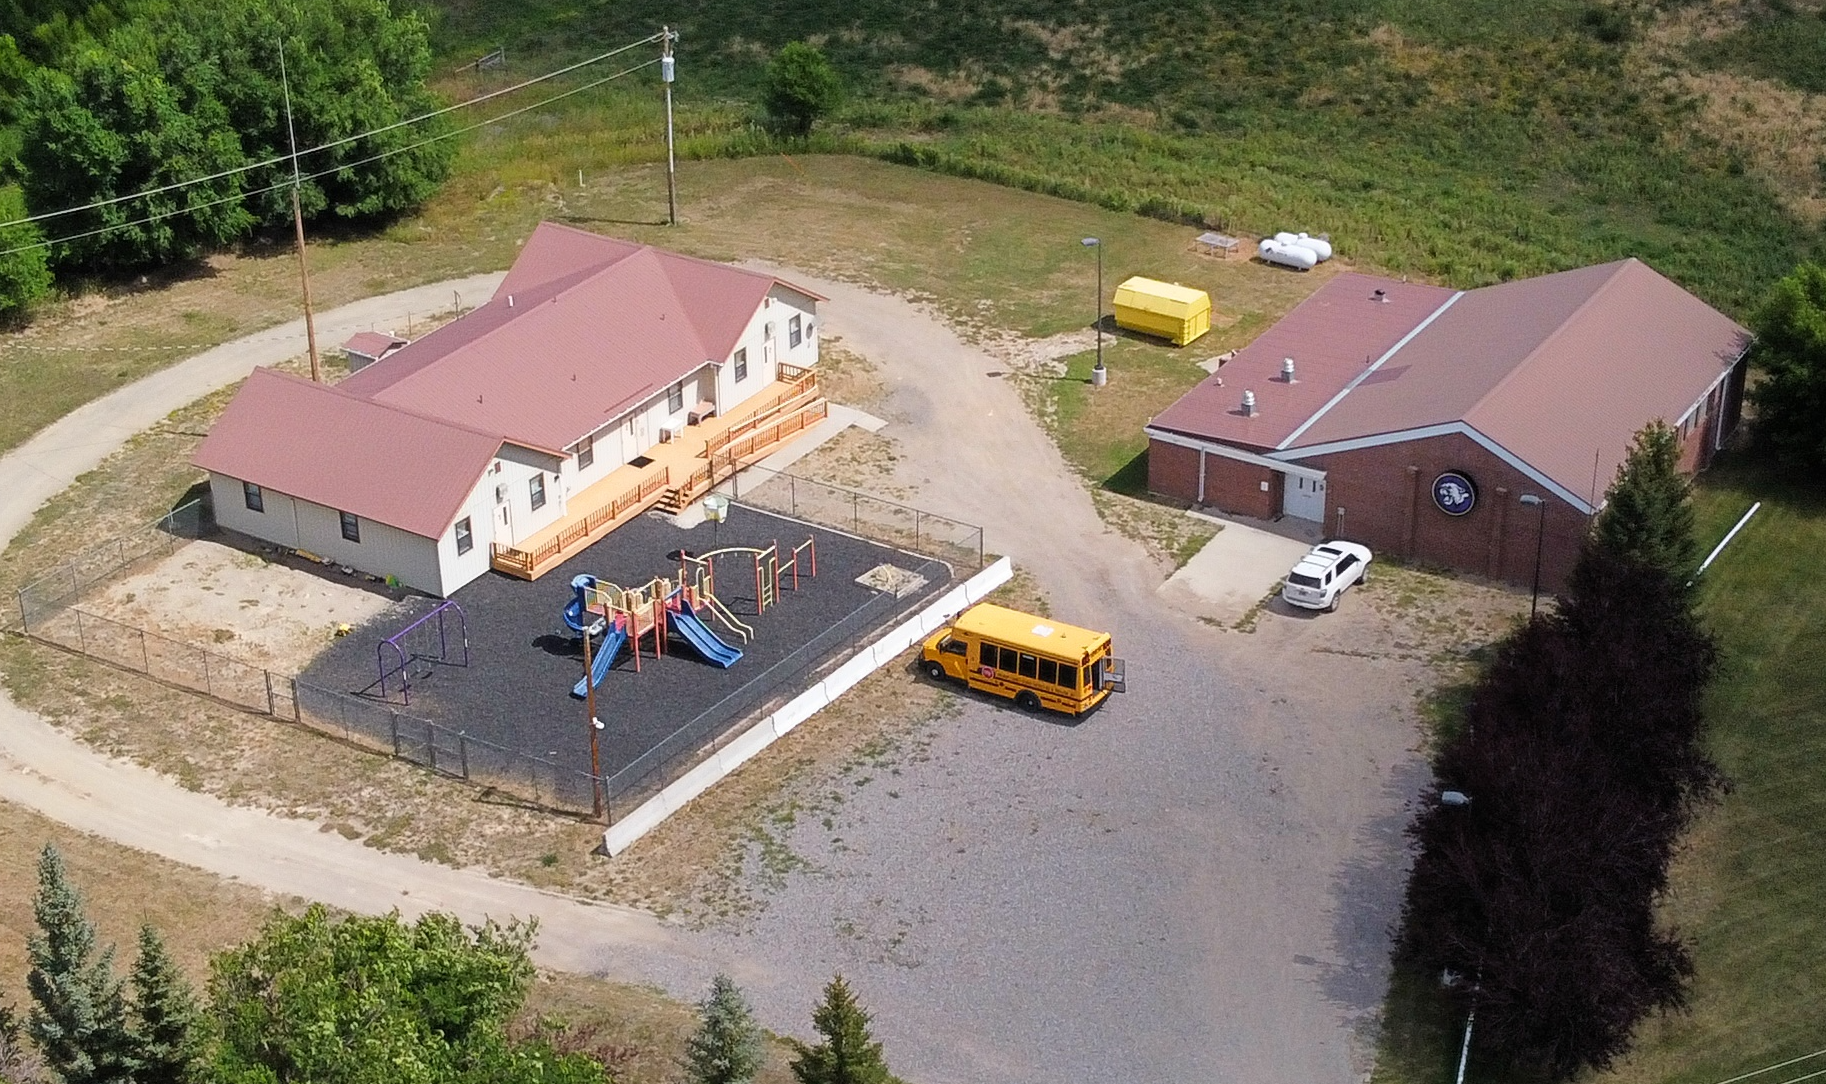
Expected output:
(239, 604)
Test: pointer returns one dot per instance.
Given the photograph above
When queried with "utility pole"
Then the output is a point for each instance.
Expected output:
(666, 66)
(304, 271)
(589, 705)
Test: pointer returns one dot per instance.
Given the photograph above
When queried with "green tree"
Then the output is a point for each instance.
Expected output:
(353, 66)
(1648, 511)
(727, 1047)
(24, 275)
(165, 1019)
(801, 87)
(375, 1000)
(78, 1018)
(113, 125)
(847, 1054)
(1790, 352)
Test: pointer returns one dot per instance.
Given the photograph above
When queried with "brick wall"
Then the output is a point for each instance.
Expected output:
(1386, 495)
(1231, 486)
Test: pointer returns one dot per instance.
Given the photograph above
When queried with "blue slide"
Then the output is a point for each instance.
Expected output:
(707, 643)
(605, 651)
(574, 614)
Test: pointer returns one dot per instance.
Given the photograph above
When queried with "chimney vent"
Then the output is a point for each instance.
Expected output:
(510, 301)
(1287, 370)
(1381, 295)
(1248, 404)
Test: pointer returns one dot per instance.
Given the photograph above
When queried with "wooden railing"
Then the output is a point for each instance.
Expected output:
(530, 563)
(802, 390)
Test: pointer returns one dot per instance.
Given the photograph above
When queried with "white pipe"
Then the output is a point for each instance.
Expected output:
(1464, 1052)
(1726, 540)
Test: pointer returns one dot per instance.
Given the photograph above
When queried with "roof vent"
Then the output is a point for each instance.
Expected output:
(1248, 404)
(1287, 371)
(510, 301)
(1381, 295)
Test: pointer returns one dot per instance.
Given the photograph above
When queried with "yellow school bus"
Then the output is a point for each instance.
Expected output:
(1035, 661)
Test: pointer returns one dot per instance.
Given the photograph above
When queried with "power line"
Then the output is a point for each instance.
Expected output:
(288, 182)
(1780, 1065)
(333, 143)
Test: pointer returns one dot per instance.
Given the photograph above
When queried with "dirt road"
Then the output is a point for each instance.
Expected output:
(1194, 884)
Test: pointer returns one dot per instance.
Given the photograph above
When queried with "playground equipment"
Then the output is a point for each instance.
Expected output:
(769, 572)
(712, 647)
(406, 647)
(629, 614)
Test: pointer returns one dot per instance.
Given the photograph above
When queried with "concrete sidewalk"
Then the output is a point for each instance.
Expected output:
(1236, 569)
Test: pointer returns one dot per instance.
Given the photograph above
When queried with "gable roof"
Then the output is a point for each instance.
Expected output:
(581, 330)
(1555, 370)
(1333, 336)
(373, 343)
(319, 443)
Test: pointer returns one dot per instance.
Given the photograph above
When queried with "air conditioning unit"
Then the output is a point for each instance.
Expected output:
(666, 435)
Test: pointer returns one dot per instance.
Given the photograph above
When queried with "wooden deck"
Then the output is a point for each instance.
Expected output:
(678, 472)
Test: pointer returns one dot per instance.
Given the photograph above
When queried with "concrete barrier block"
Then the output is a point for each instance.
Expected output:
(645, 817)
(845, 677)
(799, 709)
(997, 574)
(692, 783)
(742, 749)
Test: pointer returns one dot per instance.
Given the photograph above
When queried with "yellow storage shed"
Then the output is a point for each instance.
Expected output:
(1167, 309)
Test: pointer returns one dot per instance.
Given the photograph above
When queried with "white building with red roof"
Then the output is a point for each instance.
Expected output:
(602, 378)
(1414, 418)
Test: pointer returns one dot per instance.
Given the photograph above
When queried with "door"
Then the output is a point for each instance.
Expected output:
(1303, 498)
(504, 527)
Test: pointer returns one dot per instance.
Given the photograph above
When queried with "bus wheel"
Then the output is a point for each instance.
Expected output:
(934, 670)
(1027, 702)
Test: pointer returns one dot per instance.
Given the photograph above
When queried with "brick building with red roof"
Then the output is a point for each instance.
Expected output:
(521, 428)
(1415, 418)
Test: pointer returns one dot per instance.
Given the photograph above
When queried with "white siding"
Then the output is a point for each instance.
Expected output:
(763, 362)
(515, 497)
(300, 524)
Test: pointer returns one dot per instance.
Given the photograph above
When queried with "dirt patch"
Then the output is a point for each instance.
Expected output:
(238, 604)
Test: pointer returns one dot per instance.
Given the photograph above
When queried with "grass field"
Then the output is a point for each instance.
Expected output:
(1746, 885)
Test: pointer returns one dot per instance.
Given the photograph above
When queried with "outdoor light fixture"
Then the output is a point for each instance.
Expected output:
(1540, 533)
(1099, 375)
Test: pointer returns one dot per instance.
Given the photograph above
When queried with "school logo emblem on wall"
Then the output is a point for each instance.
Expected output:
(1454, 493)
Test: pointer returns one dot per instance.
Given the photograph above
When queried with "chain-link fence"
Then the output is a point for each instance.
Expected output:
(715, 726)
(67, 582)
(926, 533)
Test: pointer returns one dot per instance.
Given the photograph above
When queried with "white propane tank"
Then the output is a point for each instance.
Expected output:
(1294, 256)
(1319, 245)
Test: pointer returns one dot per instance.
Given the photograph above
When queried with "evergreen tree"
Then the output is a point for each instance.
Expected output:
(24, 274)
(847, 1055)
(801, 87)
(727, 1048)
(18, 1065)
(1790, 352)
(166, 1019)
(78, 1019)
(1648, 512)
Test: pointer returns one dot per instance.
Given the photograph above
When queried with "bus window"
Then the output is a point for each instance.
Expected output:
(1096, 675)
(1008, 660)
(953, 647)
(1068, 676)
(1029, 666)
(1049, 671)
(987, 656)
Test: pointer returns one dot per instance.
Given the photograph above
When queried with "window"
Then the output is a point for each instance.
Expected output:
(1029, 666)
(256, 500)
(465, 539)
(535, 487)
(741, 365)
(1049, 671)
(586, 453)
(953, 647)
(1008, 663)
(351, 526)
(675, 397)
(794, 336)
(768, 332)
(501, 493)
(1068, 676)
(1345, 565)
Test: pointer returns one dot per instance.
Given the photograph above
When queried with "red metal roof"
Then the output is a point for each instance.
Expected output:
(372, 343)
(582, 328)
(1558, 370)
(317, 442)
(1332, 337)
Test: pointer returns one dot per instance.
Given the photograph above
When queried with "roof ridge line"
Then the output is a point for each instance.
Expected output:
(1287, 441)
(1609, 280)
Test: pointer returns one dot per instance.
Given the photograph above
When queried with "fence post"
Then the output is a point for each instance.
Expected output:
(916, 530)
(145, 656)
(208, 690)
(82, 642)
(393, 725)
(463, 751)
(271, 707)
(431, 744)
(856, 513)
(73, 585)
(792, 491)
(25, 625)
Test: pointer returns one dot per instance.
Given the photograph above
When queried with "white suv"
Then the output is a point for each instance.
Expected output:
(1325, 573)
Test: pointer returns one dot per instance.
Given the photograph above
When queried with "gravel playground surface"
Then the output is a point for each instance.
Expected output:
(523, 661)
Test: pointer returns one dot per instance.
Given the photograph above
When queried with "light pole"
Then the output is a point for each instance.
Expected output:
(1099, 375)
(1540, 534)
(1458, 799)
